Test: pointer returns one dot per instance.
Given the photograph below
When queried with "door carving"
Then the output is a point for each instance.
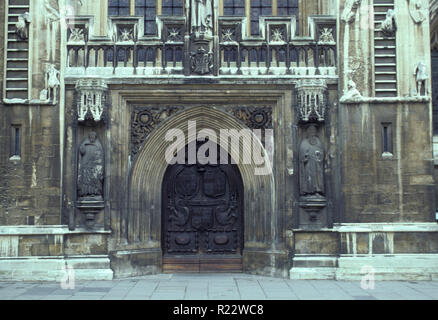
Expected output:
(202, 217)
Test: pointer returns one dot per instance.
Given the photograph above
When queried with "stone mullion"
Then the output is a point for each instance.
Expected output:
(158, 7)
(248, 16)
(274, 8)
(132, 8)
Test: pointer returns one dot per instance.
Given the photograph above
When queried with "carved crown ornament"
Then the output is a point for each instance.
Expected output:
(91, 102)
(311, 99)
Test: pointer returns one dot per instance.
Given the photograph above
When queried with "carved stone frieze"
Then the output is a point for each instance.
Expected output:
(144, 120)
(253, 117)
(311, 99)
(91, 102)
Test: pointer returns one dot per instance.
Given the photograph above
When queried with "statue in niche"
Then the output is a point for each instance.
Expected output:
(389, 26)
(311, 164)
(22, 26)
(421, 76)
(201, 17)
(90, 169)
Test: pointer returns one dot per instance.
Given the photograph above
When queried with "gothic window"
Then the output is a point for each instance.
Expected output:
(435, 90)
(118, 7)
(234, 7)
(288, 8)
(172, 7)
(259, 8)
(147, 9)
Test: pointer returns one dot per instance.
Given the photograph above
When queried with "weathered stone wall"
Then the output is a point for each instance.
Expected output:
(379, 189)
(30, 189)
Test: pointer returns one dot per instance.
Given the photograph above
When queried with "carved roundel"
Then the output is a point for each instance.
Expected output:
(259, 118)
(145, 117)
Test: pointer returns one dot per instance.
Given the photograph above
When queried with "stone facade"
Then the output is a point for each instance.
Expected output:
(344, 86)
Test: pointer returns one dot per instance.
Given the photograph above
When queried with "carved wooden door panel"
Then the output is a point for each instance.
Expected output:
(202, 218)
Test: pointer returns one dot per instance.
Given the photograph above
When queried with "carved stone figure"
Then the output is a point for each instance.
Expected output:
(23, 26)
(389, 26)
(421, 76)
(91, 169)
(349, 13)
(201, 17)
(352, 93)
(52, 84)
(417, 11)
(201, 61)
(311, 159)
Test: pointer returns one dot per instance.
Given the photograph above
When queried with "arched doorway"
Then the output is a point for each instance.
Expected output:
(202, 217)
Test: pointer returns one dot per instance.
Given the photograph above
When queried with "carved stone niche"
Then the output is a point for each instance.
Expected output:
(312, 203)
(311, 109)
(91, 101)
(90, 179)
(311, 99)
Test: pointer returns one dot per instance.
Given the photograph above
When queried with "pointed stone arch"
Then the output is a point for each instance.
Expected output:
(143, 220)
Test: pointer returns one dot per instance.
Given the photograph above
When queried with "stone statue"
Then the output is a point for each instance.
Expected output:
(421, 76)
(91, 169)
(349, 13)
(52, 81)
(23, 26)
(352, 92)
(389, 26)
(311, 162)
(417, 11)
(201, 17)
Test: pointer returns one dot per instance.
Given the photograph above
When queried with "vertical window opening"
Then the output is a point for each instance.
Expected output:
(147, 9)
(387, 147)
(259, 8)
(118, 7)
(16, 141)
(234, 7)
(172, 7)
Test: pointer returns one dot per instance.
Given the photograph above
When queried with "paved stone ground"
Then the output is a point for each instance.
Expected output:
(218, 287)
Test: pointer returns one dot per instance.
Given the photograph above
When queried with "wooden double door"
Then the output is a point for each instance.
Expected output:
(202, 218)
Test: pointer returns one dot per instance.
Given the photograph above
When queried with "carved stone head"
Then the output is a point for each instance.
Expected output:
(92, 136)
